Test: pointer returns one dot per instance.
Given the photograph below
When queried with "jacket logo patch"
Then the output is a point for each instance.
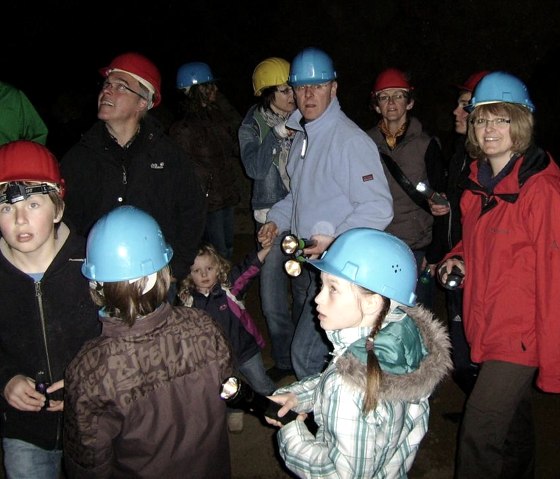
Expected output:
(158, 166)
(222, 307)
(367, 178)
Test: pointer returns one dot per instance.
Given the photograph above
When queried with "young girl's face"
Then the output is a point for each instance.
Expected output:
(339, 304)
(204, 273)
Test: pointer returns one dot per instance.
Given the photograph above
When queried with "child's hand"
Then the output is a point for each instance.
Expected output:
(55, 405)
(263, 253)
(288, 401)
(266, 234)
(20, 393)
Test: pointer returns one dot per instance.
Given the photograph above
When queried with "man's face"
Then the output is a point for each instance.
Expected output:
(120, 98)
(313, 100)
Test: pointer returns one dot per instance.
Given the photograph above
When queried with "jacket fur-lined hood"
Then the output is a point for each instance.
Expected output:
(414, 385)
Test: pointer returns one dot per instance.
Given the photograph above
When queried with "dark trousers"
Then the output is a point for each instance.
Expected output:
(497, 438)
(464, 370)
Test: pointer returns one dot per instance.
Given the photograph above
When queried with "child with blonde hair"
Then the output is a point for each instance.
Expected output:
(217, 287)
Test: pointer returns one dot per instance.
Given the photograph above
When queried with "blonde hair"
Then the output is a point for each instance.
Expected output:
(373, 375)
(187, 285)
(521, 127)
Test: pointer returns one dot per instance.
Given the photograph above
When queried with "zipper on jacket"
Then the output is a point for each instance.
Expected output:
(124, 178)
(39, 296)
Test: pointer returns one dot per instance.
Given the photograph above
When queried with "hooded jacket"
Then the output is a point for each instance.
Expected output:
(152, 173)
(511, 250)
(143, 401)
(43, 324)
(413, 352)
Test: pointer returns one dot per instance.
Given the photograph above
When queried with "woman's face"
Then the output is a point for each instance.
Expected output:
(460, 114)
(283, 102)
(339, 304)
(493, 135)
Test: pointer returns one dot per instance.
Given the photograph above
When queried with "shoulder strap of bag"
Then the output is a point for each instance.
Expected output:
(405, 183)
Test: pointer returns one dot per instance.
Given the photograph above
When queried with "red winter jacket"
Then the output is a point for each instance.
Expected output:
(511, 249)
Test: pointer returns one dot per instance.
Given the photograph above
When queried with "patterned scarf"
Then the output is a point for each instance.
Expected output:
(272, 119)
(391, 138)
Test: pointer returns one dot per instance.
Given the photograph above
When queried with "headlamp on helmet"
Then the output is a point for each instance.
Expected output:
(18, 191)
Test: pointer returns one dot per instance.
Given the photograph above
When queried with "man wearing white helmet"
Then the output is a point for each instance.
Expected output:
(126, 158)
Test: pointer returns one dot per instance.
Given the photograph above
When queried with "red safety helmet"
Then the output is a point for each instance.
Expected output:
(24, 160)
(472, 81)
(140, 68)
(391, 78)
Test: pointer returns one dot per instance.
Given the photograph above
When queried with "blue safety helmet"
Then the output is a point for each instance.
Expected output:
(126, 243)
(376, 260)
(311, 66)
(194, 73)
(500, 87)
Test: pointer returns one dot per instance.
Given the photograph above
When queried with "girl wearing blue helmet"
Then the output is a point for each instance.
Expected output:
(370, 405)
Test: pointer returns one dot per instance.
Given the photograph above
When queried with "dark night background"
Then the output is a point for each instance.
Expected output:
(52, 50)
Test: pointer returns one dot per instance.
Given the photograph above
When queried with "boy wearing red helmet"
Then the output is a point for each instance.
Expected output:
(47, 313)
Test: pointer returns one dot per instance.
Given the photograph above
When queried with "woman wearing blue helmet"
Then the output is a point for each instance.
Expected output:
(510, 257)
(141, 399)
(371, 403)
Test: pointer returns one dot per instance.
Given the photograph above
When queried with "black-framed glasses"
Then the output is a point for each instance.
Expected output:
(120, 87)
(496, 122)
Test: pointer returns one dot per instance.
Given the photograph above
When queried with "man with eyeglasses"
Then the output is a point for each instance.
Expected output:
(402, 141)
(336, 183)
(126, 158)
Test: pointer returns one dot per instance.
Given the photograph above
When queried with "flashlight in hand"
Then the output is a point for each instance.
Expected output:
(41, 385)
(453, 280)
(294, 246)
(431, 194)
(238, 394)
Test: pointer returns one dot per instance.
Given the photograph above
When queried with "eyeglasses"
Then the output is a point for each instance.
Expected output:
(119, 87)
(286, 91)
(314, 86)
(394, 98)
(496, 122)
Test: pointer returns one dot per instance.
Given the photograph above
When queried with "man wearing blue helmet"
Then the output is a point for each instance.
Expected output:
(141, 399)
(371, 404)
(336, 183)
(510, 258)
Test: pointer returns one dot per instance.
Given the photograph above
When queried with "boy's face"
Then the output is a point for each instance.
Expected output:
(28, 225)
(204, 273)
